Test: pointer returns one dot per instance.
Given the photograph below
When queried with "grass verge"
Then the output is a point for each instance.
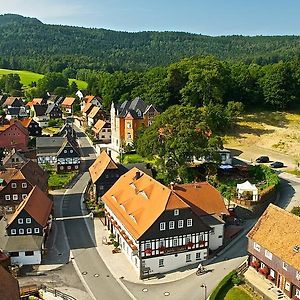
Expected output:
(58, 181)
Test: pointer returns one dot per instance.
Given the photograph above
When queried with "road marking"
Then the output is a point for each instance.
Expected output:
(90, 215)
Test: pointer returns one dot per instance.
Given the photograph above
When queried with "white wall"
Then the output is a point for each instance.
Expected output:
(216, 238)
(173, 261)
(27, 260)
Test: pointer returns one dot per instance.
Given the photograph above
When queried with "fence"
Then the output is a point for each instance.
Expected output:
(57, 293)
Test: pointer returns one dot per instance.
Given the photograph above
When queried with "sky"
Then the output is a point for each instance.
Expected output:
(209, 17)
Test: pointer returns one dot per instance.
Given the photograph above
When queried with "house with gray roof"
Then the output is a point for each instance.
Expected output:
(59, 152)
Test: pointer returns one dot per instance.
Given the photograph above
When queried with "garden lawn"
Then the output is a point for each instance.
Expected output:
(27, 77)
(59, 181)
(134, 159)
(236, 293)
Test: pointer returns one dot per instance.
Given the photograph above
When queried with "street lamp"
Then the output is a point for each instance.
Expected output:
(205, 290)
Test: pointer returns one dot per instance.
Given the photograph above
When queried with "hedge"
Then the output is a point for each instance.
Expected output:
(222, 284)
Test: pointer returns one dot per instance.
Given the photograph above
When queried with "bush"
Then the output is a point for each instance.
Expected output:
(236, 279)
(116, 244)
(226, 280)
(296, 211)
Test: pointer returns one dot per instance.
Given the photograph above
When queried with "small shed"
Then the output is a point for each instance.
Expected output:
(246, 188)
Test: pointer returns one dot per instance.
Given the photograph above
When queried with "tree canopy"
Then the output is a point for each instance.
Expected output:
(175, 138)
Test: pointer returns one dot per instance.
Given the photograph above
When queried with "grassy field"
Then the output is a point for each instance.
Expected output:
(275, 131)
(27, 77)
(59, 181)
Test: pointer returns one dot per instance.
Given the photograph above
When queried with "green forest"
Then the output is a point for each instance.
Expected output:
(28, 44)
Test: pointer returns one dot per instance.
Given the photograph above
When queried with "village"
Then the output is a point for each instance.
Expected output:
(54, 179)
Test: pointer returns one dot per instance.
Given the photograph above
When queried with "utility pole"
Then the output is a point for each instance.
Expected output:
(205, 290)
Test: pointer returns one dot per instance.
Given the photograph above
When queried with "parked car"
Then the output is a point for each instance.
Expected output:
(263, 159)
(277, 164)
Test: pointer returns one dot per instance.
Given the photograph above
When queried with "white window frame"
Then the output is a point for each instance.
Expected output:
(171, 225)
(198, 255)
(13, 185)
(28, 220)
(20, 221)
(29, 230)
(189, 222)
(36, 230)
(21, 231)
(180, 224)
(256, 247)
(13, 231)
(284, 266)
(188, 257)
(15, 197)
(268, 254)
(287, 286)
(176, 212)
(7, 197)
(24, 185)
(162, 226)
(24, 196)
(161, 263)
(175, 242)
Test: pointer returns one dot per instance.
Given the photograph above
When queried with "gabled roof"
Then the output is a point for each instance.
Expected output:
(88, 99)
(26, 122)
(12, 153)
(9, 287)
(43, 142)
(202, 197)
(10, 100)
(102, 163)
(278, 231)
(35, 175)
(17, 124)
(136, 108)
(93, 112)
(87, 107)
(51, 107)
(40, 110)
(37, 205)
(99, 125)
(137, 200)
(36, 101)
(68, 101)
(13, 111)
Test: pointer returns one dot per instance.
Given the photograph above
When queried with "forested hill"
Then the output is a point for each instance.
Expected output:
(27, 43)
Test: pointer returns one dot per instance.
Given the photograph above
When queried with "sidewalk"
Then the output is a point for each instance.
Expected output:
(264, 285)
(121, 268)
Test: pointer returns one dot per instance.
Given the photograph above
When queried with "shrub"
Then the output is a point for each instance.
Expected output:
(236, 279)
(116, 244)
(111, 236)
(296, 211)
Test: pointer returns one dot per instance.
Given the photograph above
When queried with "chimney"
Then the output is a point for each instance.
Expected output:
(137, 175)
(172, 185)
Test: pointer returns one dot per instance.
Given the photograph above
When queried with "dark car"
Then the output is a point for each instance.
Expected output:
(277, 164)
(263, 159)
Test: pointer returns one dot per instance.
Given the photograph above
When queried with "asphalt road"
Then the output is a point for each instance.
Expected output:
(99, 281)
(97, 278)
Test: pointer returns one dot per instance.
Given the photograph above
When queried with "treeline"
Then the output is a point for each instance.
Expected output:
(27, 43)
(204, 81)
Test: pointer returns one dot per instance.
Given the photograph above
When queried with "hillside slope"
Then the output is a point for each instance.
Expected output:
(27, 43)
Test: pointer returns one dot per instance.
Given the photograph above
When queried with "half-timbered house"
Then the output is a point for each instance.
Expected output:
(58, 152)
(158, 229)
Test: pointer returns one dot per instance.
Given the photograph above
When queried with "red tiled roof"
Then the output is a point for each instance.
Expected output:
(102, 163)
(9, 286)
(68, 101)
(37, 205)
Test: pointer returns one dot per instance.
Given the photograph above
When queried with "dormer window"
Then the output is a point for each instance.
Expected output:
(176, 212)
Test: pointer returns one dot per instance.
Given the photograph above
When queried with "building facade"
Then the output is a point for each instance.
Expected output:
(126, 119)
(274, 249)
(157, 229)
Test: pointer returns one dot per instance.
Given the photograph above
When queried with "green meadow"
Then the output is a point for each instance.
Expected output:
(27, 77)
